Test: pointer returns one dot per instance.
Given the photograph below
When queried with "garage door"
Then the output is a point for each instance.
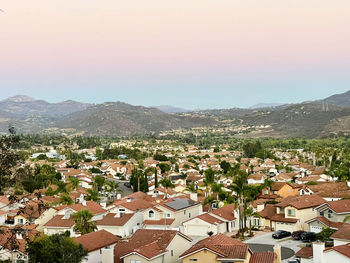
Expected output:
(193, 230)
(316, 229)
(285, 227)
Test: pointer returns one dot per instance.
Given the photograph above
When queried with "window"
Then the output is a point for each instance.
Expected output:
(167, 215)
(20, 221)
(151, 214)
(266, 192)
(184, 212)
(330, 214)
(322, 213)
(282, 210)
(291, 212)
(193, 259)
(172, 252)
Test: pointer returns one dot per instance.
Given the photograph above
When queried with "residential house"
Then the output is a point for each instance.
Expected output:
(217, 248)
(330, 214)
(154, 246)
(99, 245)
(281, 189)
(170, 213)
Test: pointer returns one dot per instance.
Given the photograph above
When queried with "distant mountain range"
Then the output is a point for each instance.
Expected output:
(309, 119)
(171, 109)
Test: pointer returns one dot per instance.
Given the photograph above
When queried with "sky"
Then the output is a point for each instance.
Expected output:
(187, 53)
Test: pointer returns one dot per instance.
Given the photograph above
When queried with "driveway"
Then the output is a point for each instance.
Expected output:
(265, 242)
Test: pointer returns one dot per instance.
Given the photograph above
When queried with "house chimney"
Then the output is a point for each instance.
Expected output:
(317, 249)
(194, 197)
(277, 250)
(107, 255)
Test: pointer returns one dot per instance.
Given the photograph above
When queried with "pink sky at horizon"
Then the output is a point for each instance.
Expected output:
(229, 40)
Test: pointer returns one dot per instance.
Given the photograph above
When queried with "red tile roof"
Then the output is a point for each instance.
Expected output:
(147, 242)
(223, 246)
(305, 252)
(161, 222)
(326, 222)
(92, 206)
(225, 212)
(340, 206)
(96, 240)
(263, 257)
(58, 221)
(301, 201)
(282, 218)
(343, 232)
(343, 249)
(111, 220)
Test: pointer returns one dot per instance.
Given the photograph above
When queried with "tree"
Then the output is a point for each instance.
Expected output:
(92, 194)
(325, 234)
(83, 222)
(99, 181)
(57, 248)
(251, 148)
(155, 177)
(166, 183)
(74, 182)
(217, 189)
(249, 212)
(10, 160)
(113, 187)
(226, 166)
(191, 188)
(164, 167)
(65, 199)
(239, 186)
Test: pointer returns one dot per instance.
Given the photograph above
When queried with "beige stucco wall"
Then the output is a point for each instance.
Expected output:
(205, 256)
(143, 260)
(302, 215)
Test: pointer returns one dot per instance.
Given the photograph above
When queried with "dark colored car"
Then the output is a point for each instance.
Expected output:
(128, 185)
(296, 234)
(281, 234)
(296, 260)
(308, 237)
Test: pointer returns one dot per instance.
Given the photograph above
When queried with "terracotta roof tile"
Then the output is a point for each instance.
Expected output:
(111, 220)
(344, 250)
(58, 221)
(96, 240)
(282, 218)
(225, 212)
(343, 232)
(224, 246)
(305, 252)
(263, 257)
(163, 221)
(301, 201)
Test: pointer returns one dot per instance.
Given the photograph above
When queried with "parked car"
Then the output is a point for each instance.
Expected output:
(296, 234)
(128, 185)
(308, 237)
(296, 260)
(281, 234)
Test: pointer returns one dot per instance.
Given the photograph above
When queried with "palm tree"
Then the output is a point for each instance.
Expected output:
(217, 189)
(113, 187)
(65, 199)
(191, 188)
(83, 222)
(166, 183)
(249, 212)
(92, 194)
(74, 182)
(239, 186)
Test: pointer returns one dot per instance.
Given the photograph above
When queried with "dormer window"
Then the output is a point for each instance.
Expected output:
(150, 214)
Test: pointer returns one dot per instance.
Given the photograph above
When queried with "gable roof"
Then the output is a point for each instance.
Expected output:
(59, 221)
(223, 246)
(92, 206)
(263, 257)
(111, 220)
(96, 240)
(305, 252)
(340, 206)
(343, 249)
(207, 218)
(301, 201)
(225, 212)
(343, 232)
(146, 242)
(326, 222)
